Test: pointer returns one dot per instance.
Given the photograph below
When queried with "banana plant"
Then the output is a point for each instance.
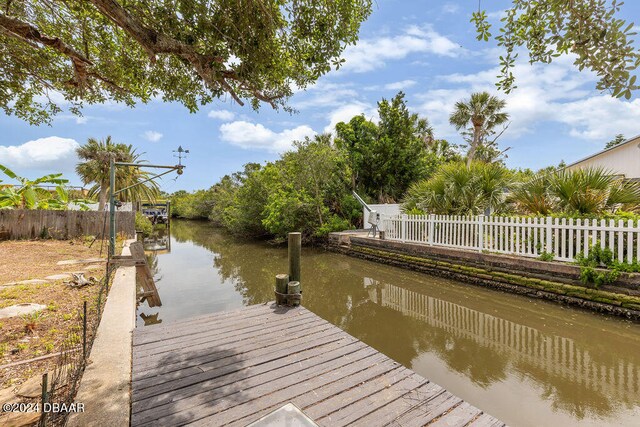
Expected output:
(28, 195)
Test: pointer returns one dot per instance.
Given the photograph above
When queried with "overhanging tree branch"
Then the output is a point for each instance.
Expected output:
(32, 36)
(155, 43)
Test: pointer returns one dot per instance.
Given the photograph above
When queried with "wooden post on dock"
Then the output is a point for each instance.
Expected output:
(293, 289)
(282, 281)
(295, 245)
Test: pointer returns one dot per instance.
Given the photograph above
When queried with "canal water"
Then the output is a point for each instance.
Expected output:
(525, 361)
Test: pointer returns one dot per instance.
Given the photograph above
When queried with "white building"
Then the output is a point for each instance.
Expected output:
(622, 159)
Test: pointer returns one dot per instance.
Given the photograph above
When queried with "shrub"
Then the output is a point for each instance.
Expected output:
(143, 224)
(456, 189)
(598, 258)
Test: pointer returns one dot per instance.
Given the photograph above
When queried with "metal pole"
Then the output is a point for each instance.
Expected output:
(112, 208)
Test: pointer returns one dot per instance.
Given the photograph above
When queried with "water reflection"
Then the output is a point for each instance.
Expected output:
(527, 362)
(578, 375)
(159, 242)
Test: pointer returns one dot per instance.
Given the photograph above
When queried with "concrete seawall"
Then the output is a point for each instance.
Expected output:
(105, 388)
(553, 281)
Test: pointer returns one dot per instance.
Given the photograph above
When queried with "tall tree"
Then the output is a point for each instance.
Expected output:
(191, 51)
(589, 29)
(619, 139)
(478, 116)
(385, 158)
(357, 139)
(94, 167)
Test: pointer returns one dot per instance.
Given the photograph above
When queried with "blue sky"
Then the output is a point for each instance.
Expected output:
(426, 48)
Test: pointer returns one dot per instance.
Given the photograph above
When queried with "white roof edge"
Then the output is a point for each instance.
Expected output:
(604, 151)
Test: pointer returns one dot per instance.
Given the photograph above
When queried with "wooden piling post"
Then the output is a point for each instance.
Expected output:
(295, 246)
(293, 289)
(282, 280)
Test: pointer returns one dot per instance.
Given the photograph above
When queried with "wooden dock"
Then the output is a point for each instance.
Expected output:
(235, 367)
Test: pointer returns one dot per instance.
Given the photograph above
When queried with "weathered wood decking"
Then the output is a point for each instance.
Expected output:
(232, 368)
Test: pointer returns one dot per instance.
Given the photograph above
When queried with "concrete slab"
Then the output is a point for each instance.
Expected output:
(20, 419)
(20, 309)
(81, 261)
(33, 386)
(26, 282)
(7, 395)
(59, 276)
(105, 386)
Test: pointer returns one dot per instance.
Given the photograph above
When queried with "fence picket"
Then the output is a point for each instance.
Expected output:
(629, 242)
(519, 236)
(611, 240)
(585, 246)
(571, 228)
(620, 236)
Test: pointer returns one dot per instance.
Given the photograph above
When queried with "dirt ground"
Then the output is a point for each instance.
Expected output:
(35, 259)
(26, 337)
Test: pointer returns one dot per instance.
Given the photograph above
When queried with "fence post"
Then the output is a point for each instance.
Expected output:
(549, 248)
(84, 331)
(431, 222)
(404, 227)
(45, 398)
(480, 233)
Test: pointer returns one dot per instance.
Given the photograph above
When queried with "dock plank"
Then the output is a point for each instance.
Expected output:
(233, 368)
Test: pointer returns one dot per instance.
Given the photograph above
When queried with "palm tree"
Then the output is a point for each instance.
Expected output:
(479, 115)
(588, 191)
(96, 168)
(458, 190)
(129, 176)
(593, 191)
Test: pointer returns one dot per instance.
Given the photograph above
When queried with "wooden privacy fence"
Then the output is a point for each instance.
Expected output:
(31, 224)
(563, 238)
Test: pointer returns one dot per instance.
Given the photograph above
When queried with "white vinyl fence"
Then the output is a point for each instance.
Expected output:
(564, 238)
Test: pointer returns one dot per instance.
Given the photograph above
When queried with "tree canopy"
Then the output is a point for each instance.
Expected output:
(589, 29)
(386, 157)
(190, 51)
(478, 118)
(619, 139)
(95, 165)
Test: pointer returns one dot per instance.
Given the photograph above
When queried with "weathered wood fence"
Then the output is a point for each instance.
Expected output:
(31, 224)
(563, 238)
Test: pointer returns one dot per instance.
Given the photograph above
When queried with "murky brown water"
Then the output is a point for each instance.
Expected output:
(527, 362)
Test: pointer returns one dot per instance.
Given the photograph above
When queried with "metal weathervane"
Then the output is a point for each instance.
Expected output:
(112, 183)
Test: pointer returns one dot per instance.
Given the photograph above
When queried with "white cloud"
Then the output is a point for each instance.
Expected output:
(345, 112)
(256, 136)
(51, 152)
(223, 115)
(152, 136)
(599, 118)
(80, 120)
(545, 93)
(370, 54)
(401, 85)
(497, 14)
(450, 8)
(325, 94)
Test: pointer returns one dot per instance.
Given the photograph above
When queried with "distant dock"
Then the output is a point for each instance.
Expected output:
(235, 367)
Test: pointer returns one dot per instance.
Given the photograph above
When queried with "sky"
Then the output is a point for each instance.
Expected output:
(425, 48)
